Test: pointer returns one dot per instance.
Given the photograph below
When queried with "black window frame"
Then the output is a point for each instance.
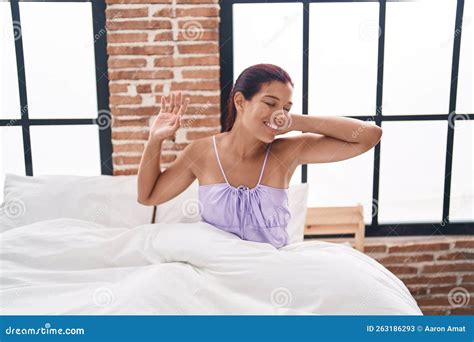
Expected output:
(103, 119)
(445, 227)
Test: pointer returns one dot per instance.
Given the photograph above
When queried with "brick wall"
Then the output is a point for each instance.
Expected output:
(154, 47)
(438, 270)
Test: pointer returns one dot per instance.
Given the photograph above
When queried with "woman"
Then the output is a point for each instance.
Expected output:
(244, 172)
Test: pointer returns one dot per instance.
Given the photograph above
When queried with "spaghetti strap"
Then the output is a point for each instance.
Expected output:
(222, 169)
(264, 162)
(218, 160)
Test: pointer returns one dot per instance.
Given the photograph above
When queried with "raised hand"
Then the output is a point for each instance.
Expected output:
(168, 120)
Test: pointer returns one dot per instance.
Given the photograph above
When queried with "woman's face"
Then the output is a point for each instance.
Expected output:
(269, 107)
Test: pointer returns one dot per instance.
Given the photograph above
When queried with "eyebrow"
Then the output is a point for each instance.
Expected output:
(291, 103)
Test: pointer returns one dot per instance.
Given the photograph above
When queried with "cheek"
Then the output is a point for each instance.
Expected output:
(253, 119)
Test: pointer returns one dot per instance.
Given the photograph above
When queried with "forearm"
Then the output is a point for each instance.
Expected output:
(150, 169)
(342, 128)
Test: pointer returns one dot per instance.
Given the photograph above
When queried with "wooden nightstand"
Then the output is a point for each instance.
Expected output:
(337, 220)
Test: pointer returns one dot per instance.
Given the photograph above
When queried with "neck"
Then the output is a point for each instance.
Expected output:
(243, 144)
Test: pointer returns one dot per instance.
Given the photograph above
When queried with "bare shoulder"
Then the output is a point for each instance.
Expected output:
(203, 145)
(197, 151)
(200, 143)
(195, 146)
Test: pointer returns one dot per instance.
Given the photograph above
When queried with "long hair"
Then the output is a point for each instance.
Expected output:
(249, 83)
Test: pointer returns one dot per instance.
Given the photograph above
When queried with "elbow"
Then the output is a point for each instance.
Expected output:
(144, 200)
(149, 201)
(379, 133)
(141, 200)
(372, 138)
(376, 135)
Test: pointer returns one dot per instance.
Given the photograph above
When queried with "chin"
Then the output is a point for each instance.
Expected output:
(267, 138)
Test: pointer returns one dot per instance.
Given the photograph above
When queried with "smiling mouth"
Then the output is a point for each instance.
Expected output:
(271, 126)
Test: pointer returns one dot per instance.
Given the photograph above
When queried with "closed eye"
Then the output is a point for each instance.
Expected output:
(274, 105)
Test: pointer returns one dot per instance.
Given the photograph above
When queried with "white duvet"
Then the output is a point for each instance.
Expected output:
(68, 266)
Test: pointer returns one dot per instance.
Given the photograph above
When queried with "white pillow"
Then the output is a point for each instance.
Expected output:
(181, 209)
(107, 200)
(298, 203)
(186, 208)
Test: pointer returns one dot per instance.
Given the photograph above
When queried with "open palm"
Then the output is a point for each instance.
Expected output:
(168, 120)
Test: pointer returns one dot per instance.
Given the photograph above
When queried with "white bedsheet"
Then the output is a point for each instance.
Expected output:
(67, 266)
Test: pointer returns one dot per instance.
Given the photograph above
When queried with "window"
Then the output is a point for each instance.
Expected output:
(54, 116)
(405, 66)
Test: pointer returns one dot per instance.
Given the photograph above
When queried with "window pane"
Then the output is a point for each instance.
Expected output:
(296, 177)
(462, 177)
(65, 149)
(279, 40)
(464, 99)
(343, 183)
(343, 41)
(9, 96)
(11, 153)
(412, 162)
(418, 57)
(58, 43)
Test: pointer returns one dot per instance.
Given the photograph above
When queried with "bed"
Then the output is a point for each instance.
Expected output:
(76, 245)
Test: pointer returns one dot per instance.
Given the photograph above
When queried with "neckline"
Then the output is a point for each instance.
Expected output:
(267, 149)
(247, 188)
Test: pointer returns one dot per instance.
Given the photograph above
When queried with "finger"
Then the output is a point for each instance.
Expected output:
(166, 107)
(168, 103)
(172, 102)
(183, 108)
(177, 122)
(178, 103)
(163, 104)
